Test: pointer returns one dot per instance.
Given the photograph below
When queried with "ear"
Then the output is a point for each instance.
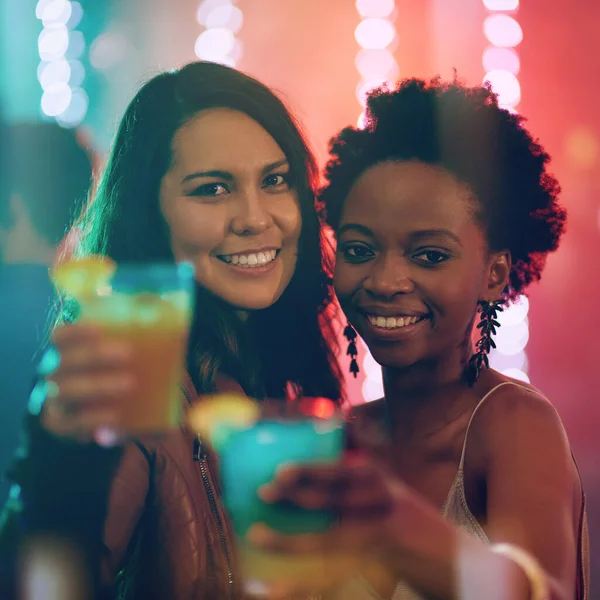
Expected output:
(498, 272)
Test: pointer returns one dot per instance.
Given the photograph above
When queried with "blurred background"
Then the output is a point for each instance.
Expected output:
(79, 63)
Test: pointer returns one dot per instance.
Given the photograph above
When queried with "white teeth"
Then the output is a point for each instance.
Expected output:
(392, 322)
(250, 260)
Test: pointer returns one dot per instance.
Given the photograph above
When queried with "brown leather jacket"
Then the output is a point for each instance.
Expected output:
(146, 517)
(165, 525)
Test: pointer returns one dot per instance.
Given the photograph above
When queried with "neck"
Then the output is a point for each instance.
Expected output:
(427, 396)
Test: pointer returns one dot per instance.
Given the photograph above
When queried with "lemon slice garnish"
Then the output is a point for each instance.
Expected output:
(81, 278)
(215, 418)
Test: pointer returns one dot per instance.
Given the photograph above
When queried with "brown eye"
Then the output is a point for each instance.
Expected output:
(432, 257)
(276, 180)
(210, 190)
(356, 252)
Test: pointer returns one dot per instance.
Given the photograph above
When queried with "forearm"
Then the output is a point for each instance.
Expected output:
(448, 564)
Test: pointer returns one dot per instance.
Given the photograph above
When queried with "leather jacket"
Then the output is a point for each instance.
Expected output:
(154, 504)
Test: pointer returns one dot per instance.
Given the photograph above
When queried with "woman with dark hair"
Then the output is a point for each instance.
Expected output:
(465, 486)
(207, 166)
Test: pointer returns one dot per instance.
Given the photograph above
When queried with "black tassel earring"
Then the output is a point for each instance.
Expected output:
(488, 325)
(352, 352)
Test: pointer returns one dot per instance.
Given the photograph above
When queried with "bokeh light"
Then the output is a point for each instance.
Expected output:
(502, 362)
(372, 388)
(506, 85)
(56, 13)
(53, 43)
(501, 59)
(375, 8)
(74, 114)
(218, 43)
(51, 73)
(517, 374)
(582, 148)
(501, 4)
(376, 63)
(60, 73)
(56, 99)
(512, 340)
(108, 50)
(503, 31)
(365, 87)
(374, 33)
(514, 313)
(227, 16)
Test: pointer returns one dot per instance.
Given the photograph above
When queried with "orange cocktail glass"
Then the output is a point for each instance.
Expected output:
(149, 306)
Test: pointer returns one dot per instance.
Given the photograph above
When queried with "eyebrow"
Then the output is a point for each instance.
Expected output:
(425, 233)
(227, 176)
(422, 233)
(355, 227)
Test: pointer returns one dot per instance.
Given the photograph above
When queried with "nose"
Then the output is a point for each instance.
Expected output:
(252, 214)
(389, 276)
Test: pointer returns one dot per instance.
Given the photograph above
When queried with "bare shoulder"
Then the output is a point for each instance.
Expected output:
(513, 405)
(518, 425)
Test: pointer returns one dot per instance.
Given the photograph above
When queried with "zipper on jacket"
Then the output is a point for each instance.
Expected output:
(200, 458)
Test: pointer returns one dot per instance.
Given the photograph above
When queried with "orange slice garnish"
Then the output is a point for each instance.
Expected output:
(81, 278)
(216, 418)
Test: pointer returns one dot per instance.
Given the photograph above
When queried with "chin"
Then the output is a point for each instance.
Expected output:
(252, 302)
(392, 357)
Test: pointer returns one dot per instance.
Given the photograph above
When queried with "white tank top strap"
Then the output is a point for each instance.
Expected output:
(494, 389)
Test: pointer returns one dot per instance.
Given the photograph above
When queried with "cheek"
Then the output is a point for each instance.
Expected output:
(456, 294)
(196, 229)
(288, 217)
(345, 279)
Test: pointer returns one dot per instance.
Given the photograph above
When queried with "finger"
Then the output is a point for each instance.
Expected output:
(74, 332)
(80, 425)
(75, 390)
(93, 355)
(351, 484)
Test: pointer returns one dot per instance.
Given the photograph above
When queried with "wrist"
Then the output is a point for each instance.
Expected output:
(537, 581)
(499, 572)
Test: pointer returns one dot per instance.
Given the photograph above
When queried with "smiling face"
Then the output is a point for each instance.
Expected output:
(230, 209)
(412, 262)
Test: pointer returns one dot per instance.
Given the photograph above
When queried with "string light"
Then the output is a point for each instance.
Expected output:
(376, 35)
(510, 357)
(500, 59)
(60, 72)
(218, 43)
(375, 62)
(502, 65)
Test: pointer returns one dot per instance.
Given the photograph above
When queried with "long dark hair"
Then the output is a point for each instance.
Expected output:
(289, 343)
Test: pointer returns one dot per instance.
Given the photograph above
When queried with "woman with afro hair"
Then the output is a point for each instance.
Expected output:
(462, 484)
